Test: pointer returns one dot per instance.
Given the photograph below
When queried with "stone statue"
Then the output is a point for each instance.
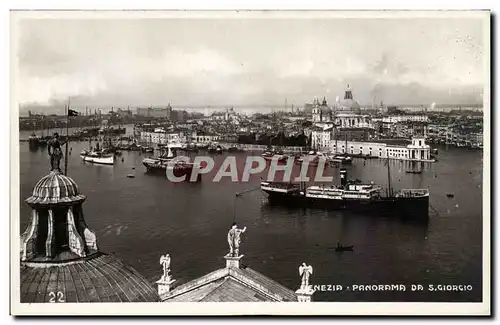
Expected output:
(55, 152)
(233, 238)
(305, 271)
(165, 262)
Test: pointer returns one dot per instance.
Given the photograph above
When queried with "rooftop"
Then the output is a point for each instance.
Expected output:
(233, 283)
(98, 278)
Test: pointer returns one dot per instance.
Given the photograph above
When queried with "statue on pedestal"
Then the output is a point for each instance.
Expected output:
(233, 238)
(305, 271)
(55, 152)
(165, 262)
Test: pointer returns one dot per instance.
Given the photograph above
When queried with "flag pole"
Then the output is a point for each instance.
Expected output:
(67, 140)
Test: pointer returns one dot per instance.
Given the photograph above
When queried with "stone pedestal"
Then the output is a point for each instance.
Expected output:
(164, 286)
(304, 294)
(233, 261)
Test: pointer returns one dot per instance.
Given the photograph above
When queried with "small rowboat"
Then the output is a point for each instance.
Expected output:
(344, 248)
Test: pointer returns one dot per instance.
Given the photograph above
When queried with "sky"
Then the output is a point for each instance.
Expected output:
(245, 62)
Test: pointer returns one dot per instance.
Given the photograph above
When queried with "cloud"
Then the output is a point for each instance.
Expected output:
(197, 62)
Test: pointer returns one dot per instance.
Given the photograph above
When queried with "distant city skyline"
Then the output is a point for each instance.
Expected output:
(247, 109)
(235, 62)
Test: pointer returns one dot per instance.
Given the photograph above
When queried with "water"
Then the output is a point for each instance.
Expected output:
(139, 219)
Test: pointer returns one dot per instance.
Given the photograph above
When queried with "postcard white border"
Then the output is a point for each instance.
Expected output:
(315, 308)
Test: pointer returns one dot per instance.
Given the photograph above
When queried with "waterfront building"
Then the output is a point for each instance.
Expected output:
(142, 111)
(156, 112)
(321, 136)
(160, 136)
(60, 259)
(405, 118)
(124, 113)
(205, 137)
(353, 134)
(226, 115)
(418, 150)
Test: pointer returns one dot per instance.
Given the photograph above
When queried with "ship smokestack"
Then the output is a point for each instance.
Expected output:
(343, 177)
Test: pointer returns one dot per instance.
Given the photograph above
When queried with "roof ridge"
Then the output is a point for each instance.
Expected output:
(199, 282)
(213, 289)
(239, 276)
(248, 269)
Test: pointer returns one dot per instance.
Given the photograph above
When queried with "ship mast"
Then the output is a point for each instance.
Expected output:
(389, 178)
(345, 153)
(336, 142)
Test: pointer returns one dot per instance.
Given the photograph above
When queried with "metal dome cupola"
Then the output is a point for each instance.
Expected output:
(59, 254)
(55, 189)
(57, 231)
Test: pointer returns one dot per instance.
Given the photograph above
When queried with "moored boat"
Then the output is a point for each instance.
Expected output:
(343, 159)
(272, 154)
(98, 157)
(33, 141)
(313, 158)
(353, 196)
(166, 163)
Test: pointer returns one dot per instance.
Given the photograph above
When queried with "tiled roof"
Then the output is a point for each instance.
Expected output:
(98, 278)
(55, 188)
(230, 290)
(231, 285)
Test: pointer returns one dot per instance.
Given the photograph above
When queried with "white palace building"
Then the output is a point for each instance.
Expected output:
(418, 150)
(346, 118)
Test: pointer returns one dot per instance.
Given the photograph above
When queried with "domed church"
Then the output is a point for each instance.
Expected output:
(348, 104)
(321, 112)
(60, 259)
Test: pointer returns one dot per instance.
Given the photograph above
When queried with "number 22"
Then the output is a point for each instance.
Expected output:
(53, 295)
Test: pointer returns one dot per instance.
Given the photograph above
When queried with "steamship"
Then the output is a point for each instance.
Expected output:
(166, 162)
(352, 196)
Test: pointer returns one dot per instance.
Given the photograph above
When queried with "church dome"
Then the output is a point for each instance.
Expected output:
(60, 259)
(348, 104)
(55, 188)
(97, 278)
(325, 110)
(322, 108)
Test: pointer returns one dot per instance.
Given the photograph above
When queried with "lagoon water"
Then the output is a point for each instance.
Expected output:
(139, 219)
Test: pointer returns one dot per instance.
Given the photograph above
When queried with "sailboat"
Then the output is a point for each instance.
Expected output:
(33, 140)
(271, 154)
(43, 140)
(343, 158)
(149, 148)
(97, 156)
(166, 162)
